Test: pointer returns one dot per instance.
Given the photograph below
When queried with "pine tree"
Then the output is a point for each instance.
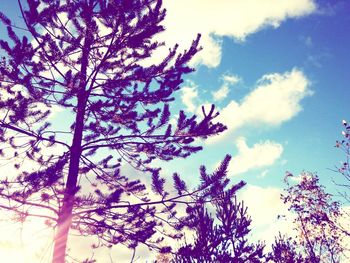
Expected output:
(222, 238)
(286, 250)
(90, 58)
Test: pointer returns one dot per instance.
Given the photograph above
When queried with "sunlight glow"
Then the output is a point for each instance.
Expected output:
(30, 242)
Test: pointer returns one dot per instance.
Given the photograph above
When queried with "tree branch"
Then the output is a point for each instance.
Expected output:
(30, 134)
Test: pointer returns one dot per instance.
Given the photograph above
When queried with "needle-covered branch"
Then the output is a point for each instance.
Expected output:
(94, 61)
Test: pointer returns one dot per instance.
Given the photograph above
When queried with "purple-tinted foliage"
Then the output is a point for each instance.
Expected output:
(88, 58)
(316, 220)
(344, 168)
(285, 249)
(223, 238)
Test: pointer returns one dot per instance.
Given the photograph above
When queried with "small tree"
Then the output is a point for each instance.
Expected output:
(223, 238)
(344, 171)
(286, 250)
(316, 219)
(344, 168)
(89, 58)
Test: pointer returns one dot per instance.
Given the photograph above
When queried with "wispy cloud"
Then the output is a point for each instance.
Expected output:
(228, 81)
(317, 60)
(308, 41)
(231, 79)
(221, 93)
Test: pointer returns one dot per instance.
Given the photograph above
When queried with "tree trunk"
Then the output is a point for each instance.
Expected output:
(64, 221)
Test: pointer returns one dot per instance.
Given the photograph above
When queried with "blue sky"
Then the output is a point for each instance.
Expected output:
(316, 45)
(259, 40)
(301, 49)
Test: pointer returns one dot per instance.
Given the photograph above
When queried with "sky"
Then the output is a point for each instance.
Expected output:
(278, 72)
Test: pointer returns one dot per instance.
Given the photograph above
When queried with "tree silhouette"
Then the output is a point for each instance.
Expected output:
(316, 219)
(286, 250)
(223, 238)
(91, 59)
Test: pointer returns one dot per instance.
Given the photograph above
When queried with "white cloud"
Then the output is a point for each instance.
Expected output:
(270, 215)
(276, 99)
(188, 96)
(221, 93)
(216, 19)
(264, 204)
(344, 223)
(268, 212)
(231, 79)
(259, 155)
